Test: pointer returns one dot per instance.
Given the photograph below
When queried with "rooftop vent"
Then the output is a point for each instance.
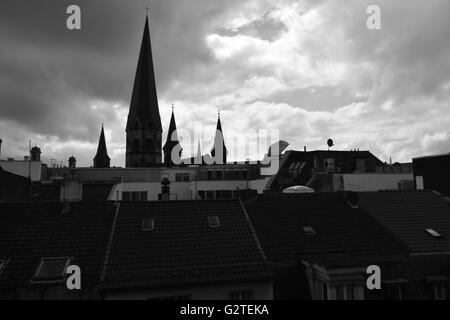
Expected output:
(309, 231)
(51, 270)
(433, 233)
(214, 222)
(148, 224)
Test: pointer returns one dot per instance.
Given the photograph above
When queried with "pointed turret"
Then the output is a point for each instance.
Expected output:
(172, 142)
(219, 145)
(102, 159)
(144, 130)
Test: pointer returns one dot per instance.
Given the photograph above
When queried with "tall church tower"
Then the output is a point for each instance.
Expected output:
(144, 130)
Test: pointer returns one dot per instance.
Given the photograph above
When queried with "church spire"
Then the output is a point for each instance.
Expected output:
(171, 142)
(102, 159)
(219, 144)
(144, 110)
(144, 129)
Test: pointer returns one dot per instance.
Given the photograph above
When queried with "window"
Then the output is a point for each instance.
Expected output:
(3, 263)
(329, 164)
(419, 183)
(219, 175)
(242, 295)
(214, 222)
(394, 292)
(209, 174)
(136, 144)
(126, 196)
(227, 194)
(186, 177)
(320, 290)
(439, 291)
(135, 196)
(244, 174)
(51, 270)
(148, 224)
(309, 231)
(178, 177)
(345, 292)
(433, 233)
(148, 145)
(201, 195)
(210, 195)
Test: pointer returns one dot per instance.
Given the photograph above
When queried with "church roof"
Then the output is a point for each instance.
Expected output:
(102, 153)
(219, 138)
(172, 140)
(144, 102)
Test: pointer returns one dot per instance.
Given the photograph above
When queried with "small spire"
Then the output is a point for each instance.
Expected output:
(147, 8)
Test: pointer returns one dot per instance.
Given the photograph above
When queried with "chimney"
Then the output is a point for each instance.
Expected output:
(304, 148)
(1, 146)
(72, 162)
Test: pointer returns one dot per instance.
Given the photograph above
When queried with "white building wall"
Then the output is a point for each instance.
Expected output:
(23, 168)
(373, 181)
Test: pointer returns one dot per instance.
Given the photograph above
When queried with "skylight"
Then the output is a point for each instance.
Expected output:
(3, 263)
(51, 270)
(309, 231)
(214, 222)
(433, 233)
(148, 224)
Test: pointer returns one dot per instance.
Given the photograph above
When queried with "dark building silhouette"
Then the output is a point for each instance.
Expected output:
(144, 130)
(433, 173)
(102, 159)
(172, 143)
(219, 145)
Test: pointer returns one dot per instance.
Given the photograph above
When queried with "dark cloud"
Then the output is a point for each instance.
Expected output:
(310, 68)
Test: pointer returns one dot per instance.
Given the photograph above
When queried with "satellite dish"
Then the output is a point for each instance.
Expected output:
(330, 143)
(282, 145)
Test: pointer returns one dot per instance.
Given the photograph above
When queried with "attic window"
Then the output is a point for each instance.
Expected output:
(148, 224)
(309, 231)
(51, 270)
(433, 233)
(214, 222)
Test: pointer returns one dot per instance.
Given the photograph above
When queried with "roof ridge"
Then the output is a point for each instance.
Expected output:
(252, 229)
(109, 246)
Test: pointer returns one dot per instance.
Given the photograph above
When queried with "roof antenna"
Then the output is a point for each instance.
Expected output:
(147, 8)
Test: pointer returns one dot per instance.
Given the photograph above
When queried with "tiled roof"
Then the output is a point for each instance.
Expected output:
(408, 214)
(29, 232)
(183, 248)
(279, 220)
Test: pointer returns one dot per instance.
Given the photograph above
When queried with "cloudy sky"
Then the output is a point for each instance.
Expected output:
(309, 68)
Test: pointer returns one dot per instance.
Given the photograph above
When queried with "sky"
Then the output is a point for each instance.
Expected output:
(309, 68)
